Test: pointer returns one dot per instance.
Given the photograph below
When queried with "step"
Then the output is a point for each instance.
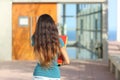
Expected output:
(113, 52)
(114, 43)
(113, 48)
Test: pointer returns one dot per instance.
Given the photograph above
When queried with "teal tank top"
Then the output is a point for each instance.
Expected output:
(52, 72)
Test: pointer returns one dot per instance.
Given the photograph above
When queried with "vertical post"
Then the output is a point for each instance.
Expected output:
(59, 6)
(64, 20)
(105, 30)
(77, 27)
(77, 31)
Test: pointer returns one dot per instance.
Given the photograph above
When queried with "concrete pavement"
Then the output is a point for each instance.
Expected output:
(77, 70)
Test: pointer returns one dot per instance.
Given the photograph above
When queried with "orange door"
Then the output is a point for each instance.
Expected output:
(24, 17)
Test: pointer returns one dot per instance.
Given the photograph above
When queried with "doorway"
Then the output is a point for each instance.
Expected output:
(24, 18)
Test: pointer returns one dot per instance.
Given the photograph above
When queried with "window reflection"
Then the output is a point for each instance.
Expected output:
(82, 24)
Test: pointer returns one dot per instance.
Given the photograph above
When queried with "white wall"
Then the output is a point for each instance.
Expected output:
(5, 30)
(118, 20)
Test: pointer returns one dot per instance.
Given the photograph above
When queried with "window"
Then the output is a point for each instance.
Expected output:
(23, 21)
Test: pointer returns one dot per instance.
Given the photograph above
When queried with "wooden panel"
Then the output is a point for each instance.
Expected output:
(21, 47)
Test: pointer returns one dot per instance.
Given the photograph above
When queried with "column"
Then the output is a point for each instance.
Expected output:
(5, 30)
(105, 31)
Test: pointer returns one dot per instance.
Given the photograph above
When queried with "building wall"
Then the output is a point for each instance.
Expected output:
(5, 30)
(6, 25)
(118, 20)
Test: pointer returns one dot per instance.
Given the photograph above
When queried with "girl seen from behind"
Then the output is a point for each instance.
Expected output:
(47, 47)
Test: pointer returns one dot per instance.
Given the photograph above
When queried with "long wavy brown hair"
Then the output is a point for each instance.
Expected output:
(46, 40)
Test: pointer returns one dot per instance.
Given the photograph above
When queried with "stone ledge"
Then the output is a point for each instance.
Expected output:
(114, 64)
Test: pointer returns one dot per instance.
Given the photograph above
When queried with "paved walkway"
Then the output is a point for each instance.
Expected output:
(77, 70)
